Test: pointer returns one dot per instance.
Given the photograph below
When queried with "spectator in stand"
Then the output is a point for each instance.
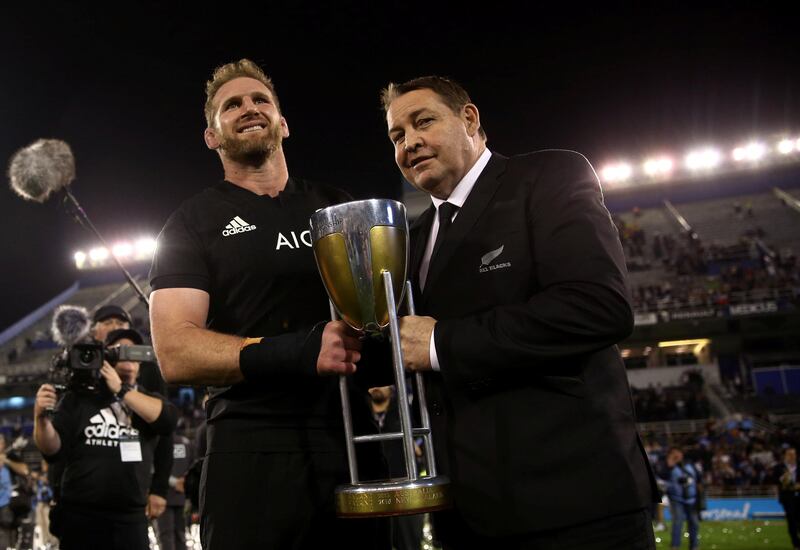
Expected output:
(11, 467)
(23, 447)
(44, 495)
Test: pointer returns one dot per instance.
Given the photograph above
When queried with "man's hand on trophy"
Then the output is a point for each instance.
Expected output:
(415, 341)
(340, 350)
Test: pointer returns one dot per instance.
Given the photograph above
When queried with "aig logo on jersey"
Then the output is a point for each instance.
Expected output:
(237, 225)
(292, 241)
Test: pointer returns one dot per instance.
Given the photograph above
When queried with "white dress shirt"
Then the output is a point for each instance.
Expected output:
(457, 197)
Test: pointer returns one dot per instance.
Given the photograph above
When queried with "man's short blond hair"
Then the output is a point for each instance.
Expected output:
(236, 69)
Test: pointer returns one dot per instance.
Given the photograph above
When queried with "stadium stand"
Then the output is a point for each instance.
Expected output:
(713, 362)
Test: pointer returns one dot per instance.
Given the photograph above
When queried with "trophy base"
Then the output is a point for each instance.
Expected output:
(393, 498)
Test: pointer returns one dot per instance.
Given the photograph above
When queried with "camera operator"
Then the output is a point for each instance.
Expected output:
(113, 317)
(106, 439)
(682, 480)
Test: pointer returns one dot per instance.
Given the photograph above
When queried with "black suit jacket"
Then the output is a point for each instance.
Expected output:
(531, 412)
(788, 493)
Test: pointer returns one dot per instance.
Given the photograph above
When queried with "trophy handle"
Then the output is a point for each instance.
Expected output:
(400, 380)
(404, 411)
(347, 416)
(425, 418)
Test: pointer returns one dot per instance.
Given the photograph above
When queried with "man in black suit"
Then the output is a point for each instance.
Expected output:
(785, 474)
(521, 297)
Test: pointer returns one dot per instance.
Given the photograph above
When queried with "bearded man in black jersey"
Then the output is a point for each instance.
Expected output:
(237, 304)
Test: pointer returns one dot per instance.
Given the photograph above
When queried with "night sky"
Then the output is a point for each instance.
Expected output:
(126, 92)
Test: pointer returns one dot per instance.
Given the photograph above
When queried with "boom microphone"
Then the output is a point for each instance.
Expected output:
(45, 167)
(71, 324)
(41, 169)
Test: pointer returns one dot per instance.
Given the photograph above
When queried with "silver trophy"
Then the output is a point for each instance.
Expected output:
(361, 248)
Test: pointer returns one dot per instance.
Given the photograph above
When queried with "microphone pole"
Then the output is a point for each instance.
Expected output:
(83, 219)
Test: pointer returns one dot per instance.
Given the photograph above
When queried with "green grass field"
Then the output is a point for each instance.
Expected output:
(735, 535)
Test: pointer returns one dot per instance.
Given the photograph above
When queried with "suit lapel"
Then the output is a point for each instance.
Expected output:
(477, 201)
(419, 232)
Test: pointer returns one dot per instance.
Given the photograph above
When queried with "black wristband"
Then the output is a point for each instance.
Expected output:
(288, 354)
(125, 388)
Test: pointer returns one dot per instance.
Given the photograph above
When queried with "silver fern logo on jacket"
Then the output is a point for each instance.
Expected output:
(489, 257)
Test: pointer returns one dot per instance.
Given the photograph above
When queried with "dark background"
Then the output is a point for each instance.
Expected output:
(126, 91)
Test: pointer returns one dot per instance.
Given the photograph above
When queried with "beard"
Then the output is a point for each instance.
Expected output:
(252, 150)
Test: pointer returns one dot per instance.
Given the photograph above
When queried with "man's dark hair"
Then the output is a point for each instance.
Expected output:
(451, 93)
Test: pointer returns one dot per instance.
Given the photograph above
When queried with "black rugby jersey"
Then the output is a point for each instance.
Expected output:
(253, 256)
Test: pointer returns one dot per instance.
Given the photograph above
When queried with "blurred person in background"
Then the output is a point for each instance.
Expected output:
(682, 482)
(44, 495)
(172, 523)
(12, 469)
(106, 438)
(406, 530)
(785, 475)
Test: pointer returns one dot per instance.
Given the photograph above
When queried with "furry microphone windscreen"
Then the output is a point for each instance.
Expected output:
(41, 168)
(71, 324)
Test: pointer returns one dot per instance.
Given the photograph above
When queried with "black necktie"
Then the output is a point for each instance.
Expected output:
(446, 212)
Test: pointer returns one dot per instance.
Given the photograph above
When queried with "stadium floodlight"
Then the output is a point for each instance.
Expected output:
(122, 250)
(139, 250)
(98, 254)
(145, 246)
(80, 259)
(787, 146)
(657, 166)
(620, 171)
(752, 152)
(703, 159)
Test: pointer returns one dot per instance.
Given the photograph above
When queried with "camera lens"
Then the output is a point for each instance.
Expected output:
(87, 357)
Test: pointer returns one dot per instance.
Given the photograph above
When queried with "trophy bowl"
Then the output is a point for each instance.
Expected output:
(354, 242)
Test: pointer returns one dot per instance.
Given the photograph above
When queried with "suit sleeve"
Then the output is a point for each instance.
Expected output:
(580, 301)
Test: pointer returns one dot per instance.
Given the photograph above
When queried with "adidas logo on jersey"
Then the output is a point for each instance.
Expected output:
(105, 429)
(237, 225)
